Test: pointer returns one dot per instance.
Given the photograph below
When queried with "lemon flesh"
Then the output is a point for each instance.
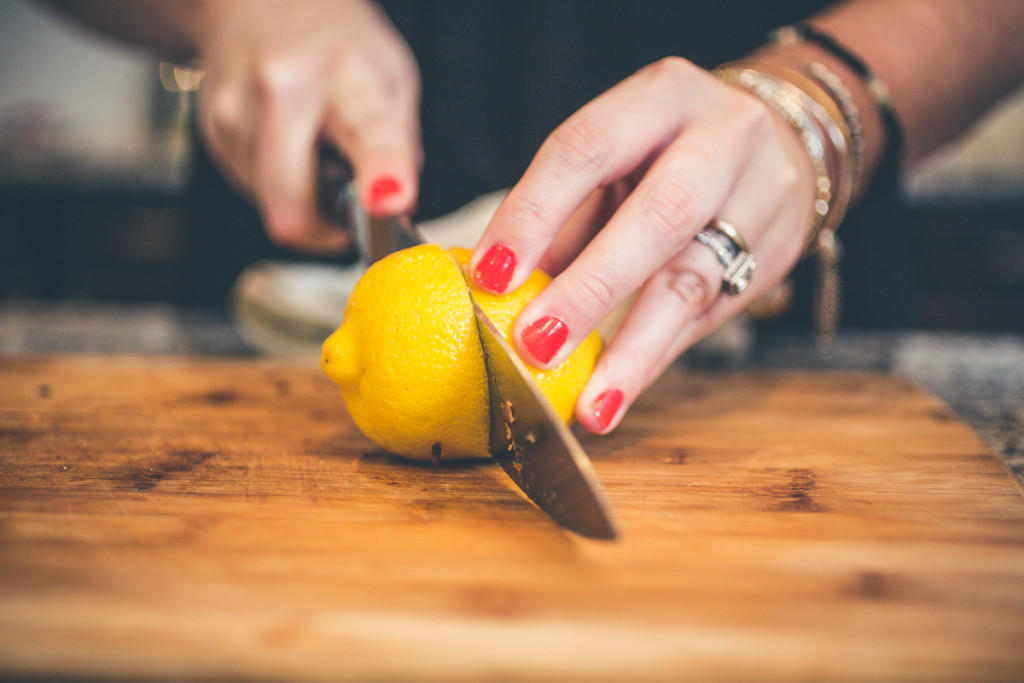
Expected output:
(408, 359)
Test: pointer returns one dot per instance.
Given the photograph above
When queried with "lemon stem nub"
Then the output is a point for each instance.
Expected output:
(340, 358)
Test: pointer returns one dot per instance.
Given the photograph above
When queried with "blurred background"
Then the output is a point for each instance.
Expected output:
(105, 197)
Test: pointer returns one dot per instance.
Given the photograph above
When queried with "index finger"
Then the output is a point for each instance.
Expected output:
(373, 117)
(602, 142)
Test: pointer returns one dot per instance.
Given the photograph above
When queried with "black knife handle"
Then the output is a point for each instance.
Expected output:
(334, 181)
(336, 196)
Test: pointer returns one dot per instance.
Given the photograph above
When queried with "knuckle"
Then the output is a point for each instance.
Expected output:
(692, 289)
(276, 78)
(672, 70)
(594, 292)
(665, 210)
(524, 212)
(581, 144)
(223, 111)
(751, 118)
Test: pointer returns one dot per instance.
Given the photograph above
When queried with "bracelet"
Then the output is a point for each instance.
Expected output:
(820, 125)
(829, 117)
(842, 96)
(892, 157)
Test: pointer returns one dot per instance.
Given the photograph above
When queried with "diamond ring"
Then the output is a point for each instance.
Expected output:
(732, 252)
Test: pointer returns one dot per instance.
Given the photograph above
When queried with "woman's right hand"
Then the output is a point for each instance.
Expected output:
(282, 79)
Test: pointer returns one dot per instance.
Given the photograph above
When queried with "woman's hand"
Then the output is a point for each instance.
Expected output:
(611, 204)
(283, 78)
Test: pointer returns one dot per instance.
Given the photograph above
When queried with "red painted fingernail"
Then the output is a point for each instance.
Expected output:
(544, 337)
(606, 406)
(382, 188)
(494, 271)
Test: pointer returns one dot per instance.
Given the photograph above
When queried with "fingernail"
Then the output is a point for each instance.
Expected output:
(544, 337)
(606, 406)
(382, 188)
(494, 271)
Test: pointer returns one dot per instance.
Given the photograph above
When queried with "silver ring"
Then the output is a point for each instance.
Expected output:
(732, 252)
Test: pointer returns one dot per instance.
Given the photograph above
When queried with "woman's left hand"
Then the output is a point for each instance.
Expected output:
(611, 204)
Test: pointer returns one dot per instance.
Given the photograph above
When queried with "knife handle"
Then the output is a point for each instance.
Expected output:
(338, 201)
(335, 193)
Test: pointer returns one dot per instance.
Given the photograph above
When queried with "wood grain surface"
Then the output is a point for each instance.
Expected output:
(223, 519)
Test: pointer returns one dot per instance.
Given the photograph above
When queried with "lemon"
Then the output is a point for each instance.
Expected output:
(408, 359)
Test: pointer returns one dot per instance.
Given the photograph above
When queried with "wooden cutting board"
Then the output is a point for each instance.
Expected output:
(212, 519)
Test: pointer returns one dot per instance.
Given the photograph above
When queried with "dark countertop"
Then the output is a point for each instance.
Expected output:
(980, 376)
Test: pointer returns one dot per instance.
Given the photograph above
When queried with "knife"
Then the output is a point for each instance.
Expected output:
(529, 440)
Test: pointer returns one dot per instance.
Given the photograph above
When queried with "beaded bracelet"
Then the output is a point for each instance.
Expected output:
(843, 104)
(892, 158)
(842, 96)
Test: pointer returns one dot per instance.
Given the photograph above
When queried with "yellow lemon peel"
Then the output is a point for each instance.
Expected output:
(409, 364)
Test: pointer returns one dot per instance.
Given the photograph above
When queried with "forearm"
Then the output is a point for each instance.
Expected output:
(944, 62)
(169, 26)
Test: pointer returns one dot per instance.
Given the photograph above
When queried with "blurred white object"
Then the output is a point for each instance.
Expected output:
(288, 309)
(79, 108)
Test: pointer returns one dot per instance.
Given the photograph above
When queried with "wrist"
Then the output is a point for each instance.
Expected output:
(881, 137)
(211, 21)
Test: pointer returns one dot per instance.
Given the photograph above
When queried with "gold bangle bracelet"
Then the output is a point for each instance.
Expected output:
(825, 89)
(841, 157)
(821, 127)
(828, 115)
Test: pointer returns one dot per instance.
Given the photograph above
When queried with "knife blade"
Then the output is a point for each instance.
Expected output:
(375, 236)
(529, 440)
(535, 447)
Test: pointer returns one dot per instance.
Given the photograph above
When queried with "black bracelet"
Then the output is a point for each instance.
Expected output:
(889, 167)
